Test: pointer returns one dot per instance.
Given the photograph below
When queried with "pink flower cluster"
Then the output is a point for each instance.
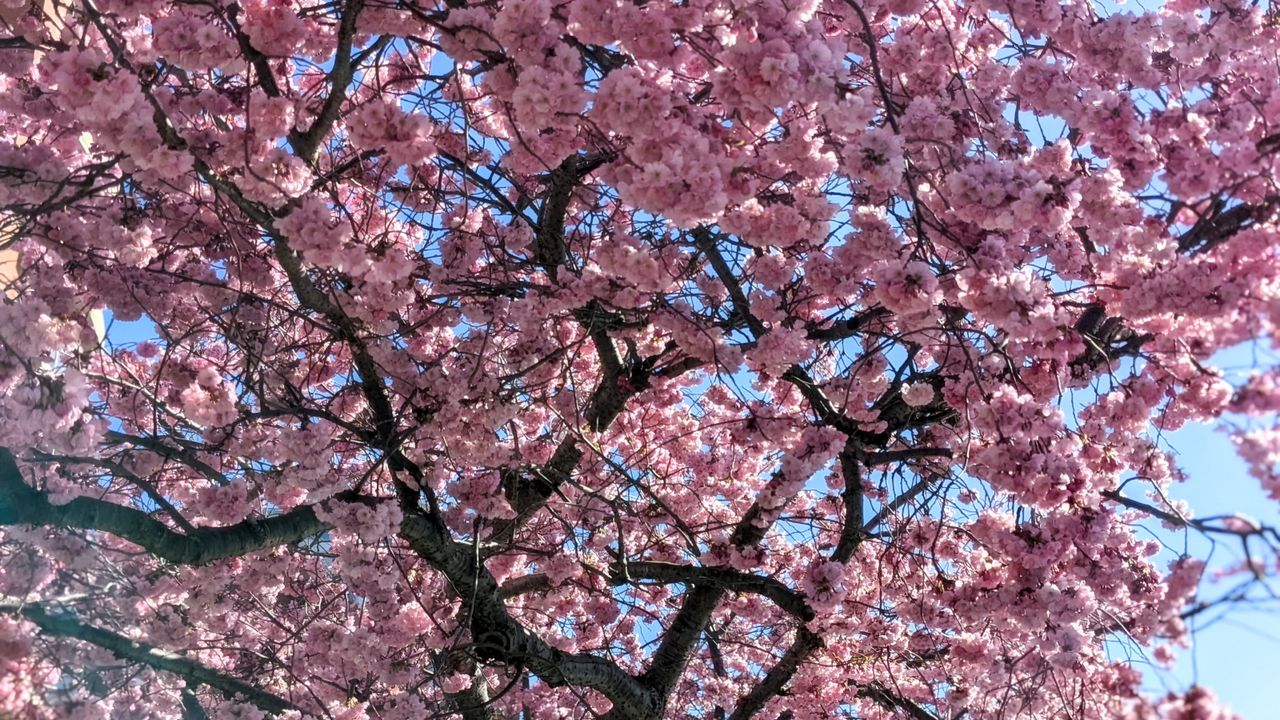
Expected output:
(382, 125)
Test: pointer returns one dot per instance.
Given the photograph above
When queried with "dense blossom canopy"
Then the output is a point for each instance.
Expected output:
(632, 359)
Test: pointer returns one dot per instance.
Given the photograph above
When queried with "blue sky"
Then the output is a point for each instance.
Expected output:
(1235, 656)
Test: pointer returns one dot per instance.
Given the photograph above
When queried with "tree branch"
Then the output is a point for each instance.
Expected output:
(20, 504)
(851, 533)
(307, 143)
(778, 676)
(672, 655)
(499, 637)
(64, 625)
(892, 701)
(727, 578)
(496, 634)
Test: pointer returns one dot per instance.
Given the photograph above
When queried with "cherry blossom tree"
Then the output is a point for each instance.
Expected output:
(631, 359)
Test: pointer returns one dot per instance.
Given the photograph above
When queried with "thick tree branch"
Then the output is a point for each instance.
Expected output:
(475, 702)
(261, 64)
(499, 637)
(1219, 225)
(706, 242)
(727, 578)
(64, 625)
(308, 143)
(673, 653)
(20, 504)
(778, 676)
(550, 249)
(120, 471)
(893, 701)
(527, 490)
(191, 707)
(852, 497)
(537, 582)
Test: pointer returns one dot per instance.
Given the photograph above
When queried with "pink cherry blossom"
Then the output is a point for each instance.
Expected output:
(635, 360)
